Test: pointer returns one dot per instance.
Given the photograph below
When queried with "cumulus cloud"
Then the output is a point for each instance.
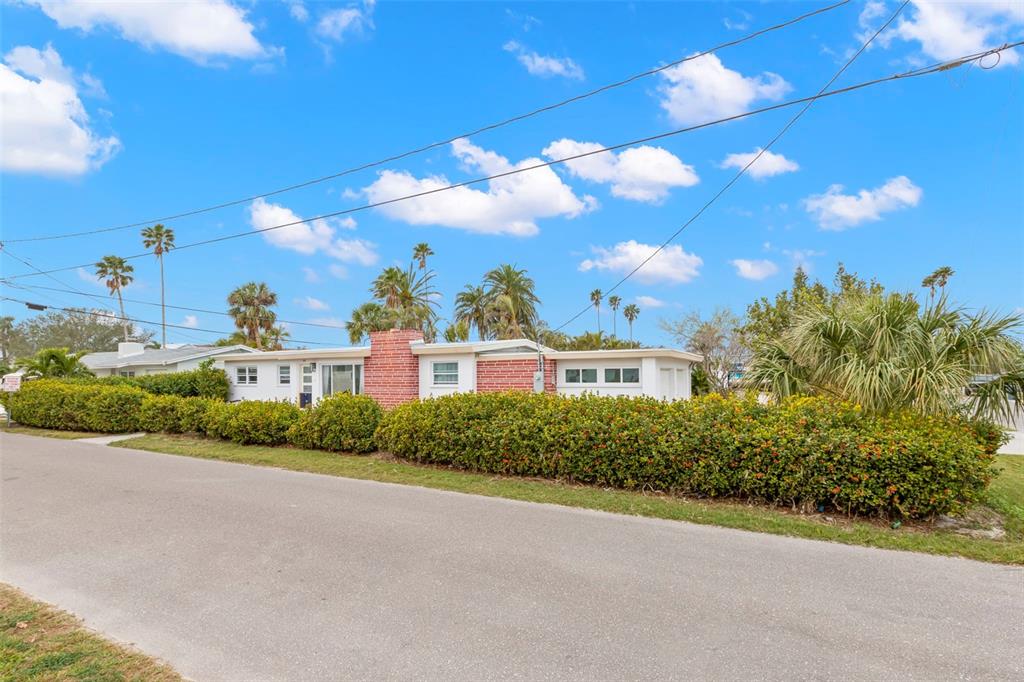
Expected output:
(339, 24)
(509, 205)
(754, 269)
(640, 173)
(650, 302)
(703, 89)
(770, 164)
(90, 278)
(298, 11)
(834, 210)
(339, 271)
(197, 30)
(310, 303)
(317, 236)
(46, 128)
(672, 265)
(190, 321)
(802, 257)
(950, 28)
(311, 276)
(544, 66)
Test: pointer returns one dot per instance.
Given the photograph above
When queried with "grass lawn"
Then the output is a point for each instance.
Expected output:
(39, 642)
(48, 433)
(1006, 498)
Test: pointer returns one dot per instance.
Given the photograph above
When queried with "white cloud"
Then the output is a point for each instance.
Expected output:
(331, 321)
(317, 236)
(298, 11)
(190, 321)
(542, 65)
(90, 278)
(640, 173)
(338, 24)
(703, 90)
(672, 265)
(310, 303)
(741, 24)
(754, 269)
(950, 29)
(770, 164)
(311, 276)
(509, 205)
(650, 302)
(347, 222)
(802, 257)
(339, 271)
(834, 210)
(198, 29)
(46, 128)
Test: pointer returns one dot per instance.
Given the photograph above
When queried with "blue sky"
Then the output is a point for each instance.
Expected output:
(115, 114)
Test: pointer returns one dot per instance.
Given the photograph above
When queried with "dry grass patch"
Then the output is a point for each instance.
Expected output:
(39, 642)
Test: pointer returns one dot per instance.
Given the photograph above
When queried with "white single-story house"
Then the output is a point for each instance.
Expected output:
(134, 359)
(398, 366)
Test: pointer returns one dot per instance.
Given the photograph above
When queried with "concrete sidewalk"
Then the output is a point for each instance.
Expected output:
(232, 572)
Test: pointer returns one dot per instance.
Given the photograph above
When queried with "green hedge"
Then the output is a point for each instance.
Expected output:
(251, 422)
(805, 452)
(55, 404)
(342, 422)
(173, 414)
(205, 382)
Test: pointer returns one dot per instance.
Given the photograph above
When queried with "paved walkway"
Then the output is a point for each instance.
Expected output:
(233, 572)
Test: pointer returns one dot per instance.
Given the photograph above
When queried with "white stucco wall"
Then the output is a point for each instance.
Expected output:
(652, 381)
(267, 386)
(467, 375)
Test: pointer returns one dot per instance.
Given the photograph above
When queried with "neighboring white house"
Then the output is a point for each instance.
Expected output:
(398, 367)
(134, 359)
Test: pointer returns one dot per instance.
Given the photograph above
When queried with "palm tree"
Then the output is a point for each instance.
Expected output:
(369, 317)
(938, 279)
(595, 298)
(117, 274)
(518, 308)
(410, 297)
(161, 240)
(250, 306)
(614, 302)
(420, 252)
(54, 363)
(274, 338)
(888, 353)
(457, 332)
(631, 312)
(472, 307)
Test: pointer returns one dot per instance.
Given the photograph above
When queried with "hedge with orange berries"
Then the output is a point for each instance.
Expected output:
(808, 453)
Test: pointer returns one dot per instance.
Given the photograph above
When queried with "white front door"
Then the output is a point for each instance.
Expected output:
(667, 384)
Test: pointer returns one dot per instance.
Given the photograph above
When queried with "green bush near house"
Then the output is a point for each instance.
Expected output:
(173, 414)
(67, 406)
(341, 423)
(205, 382)
(251, 422)
(804, 452)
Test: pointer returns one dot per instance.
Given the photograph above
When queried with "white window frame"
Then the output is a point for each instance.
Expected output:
(126, 373)
(285, 378)
(247, 375)
(434, 373)
(600, 373)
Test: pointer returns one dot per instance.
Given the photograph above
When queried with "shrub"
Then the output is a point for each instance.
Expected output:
(803, 452)
(342, 422)
(192, 413)
(251, 422)
(205, 382)
(172, 414)
(55, 404)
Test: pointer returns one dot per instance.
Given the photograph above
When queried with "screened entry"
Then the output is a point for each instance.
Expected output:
(341, 379)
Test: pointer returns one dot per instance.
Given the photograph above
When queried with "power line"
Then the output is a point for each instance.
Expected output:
(119, 318)
(441, 143)
(173, 307)
(943, 66)
(789, 124)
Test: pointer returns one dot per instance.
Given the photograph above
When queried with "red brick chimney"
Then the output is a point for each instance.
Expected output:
(391, 375)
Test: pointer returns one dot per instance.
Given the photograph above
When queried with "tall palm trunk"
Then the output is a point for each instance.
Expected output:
(631, 331)
(124, 321)
(614, 319)
(163, 308)
(598, 319)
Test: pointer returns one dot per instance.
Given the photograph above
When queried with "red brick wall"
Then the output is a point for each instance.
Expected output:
(512, 375)
(391, 375)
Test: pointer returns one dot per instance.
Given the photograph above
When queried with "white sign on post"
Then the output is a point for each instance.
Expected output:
(11, 383)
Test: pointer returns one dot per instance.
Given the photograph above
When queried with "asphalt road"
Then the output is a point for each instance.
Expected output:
(232, 572)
